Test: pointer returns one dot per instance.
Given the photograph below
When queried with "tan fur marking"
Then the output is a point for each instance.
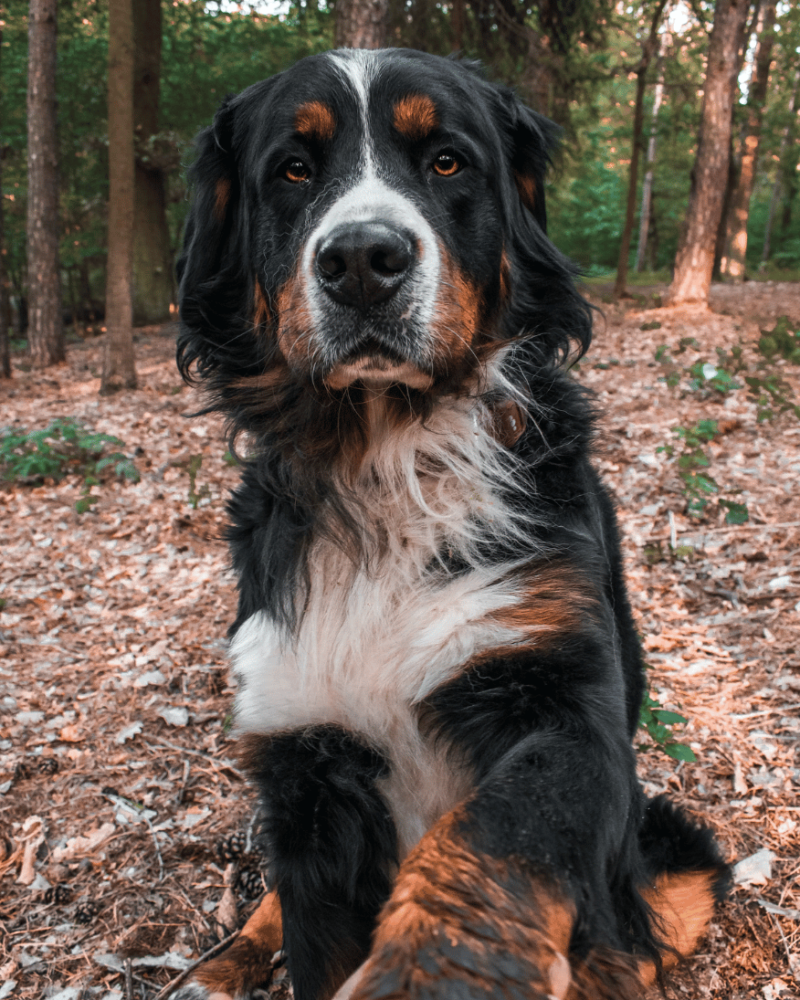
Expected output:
(448, 897)
(295, 327)
(415, 117)
(526, 185)
(315, 120)
(458, 314)
(222, 196)
(556, 601)
(261, 313)
(684, 905)
(247, 963)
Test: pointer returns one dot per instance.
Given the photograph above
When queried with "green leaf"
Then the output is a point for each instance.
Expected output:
(680, 751)
(671, 718)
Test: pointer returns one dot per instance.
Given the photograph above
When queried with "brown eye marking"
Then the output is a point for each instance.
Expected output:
(446, 164)
(526, 185)
(296, 171)
(222, 194)
(315, 120)
(415, 117)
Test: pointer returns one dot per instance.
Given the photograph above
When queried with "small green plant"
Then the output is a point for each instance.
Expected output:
(62, 448)
(652, 325)
(781, 341)
(195, 495)
(699, 486)
(704, 376)
(657, 722)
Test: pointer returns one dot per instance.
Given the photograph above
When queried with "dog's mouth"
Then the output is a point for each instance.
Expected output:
(376, 371)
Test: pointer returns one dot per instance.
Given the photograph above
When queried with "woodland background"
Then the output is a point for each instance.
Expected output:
(126, 831)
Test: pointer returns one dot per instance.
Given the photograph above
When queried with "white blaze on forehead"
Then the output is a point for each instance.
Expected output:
(372, 199)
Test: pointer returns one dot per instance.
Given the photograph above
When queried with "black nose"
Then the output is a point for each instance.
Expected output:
(363, 263)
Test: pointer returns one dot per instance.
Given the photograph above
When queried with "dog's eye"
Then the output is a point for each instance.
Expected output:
(446, 164)
(296, 171)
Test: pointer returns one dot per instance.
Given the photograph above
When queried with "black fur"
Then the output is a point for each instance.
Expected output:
(545, 729)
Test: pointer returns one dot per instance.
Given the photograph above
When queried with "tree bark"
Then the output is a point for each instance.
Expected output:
(152, 258)
(360, 24)
(118, 363)
(776, 189)
(46, 329)
(458, 15)
(649, 46)
(5, 347)
(732, 264)
(694, 261)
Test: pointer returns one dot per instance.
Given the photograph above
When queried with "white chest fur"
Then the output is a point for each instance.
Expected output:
(375, 640)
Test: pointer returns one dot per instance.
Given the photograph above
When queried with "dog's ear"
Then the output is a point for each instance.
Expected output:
(533, 137)
(210, 271)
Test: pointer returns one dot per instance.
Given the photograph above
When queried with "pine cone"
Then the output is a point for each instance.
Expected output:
(250, 883)
(86, 911)
(232, 846)
(59, 894)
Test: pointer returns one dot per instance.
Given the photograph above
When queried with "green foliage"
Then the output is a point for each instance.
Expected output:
(781, 341)
(62, 448)
(699, 486)
(657, 723)
(192, 468)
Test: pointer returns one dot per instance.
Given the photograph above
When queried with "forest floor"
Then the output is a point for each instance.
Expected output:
(118, 782)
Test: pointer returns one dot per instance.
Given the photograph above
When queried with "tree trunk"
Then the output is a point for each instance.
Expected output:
(732, 264)
(647, 183)
(45, 330)
(694, 261)
(118, 364)
(458, 14)
(5, 351)
(776, 189)
(648, 48)
(360, 24)
(152, 258)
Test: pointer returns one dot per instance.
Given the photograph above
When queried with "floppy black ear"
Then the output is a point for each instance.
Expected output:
(533, 138)
(210, 271)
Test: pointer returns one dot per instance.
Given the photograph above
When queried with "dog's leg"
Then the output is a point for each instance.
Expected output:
(332, 848)
(246, 965)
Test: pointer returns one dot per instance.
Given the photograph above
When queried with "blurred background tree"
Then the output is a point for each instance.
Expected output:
(578, 62)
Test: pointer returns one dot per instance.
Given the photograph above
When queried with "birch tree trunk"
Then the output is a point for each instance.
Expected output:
(647, 183)
(118, 363)
(732, 264)
(694, 261)
(45, 329)
(152, 258)
(648, 48)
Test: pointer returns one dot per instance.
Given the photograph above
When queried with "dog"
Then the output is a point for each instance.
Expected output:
(439, 677)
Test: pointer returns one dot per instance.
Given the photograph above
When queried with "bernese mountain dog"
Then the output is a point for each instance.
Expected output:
(439, 677)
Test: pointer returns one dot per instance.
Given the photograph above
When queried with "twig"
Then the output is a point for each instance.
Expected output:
(122, 803)
(222, 765)
(128, 980)
(692, 530)
(165, 992)
(182, 789)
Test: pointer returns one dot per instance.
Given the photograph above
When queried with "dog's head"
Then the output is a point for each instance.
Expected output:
(370, 219)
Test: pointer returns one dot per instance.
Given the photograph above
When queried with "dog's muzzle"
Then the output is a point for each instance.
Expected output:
(363, 264)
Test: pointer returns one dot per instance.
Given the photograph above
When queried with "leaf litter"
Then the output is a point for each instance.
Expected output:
(120, 801)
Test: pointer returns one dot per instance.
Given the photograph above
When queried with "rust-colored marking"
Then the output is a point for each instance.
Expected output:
(526, 185)
(415, 117)
(605, 975)
(261, 312)
(451, 908)
(246, 965)
(505, 276)
(458, 315)
(295, 326)
(221, 199)
(556, 601)
(683, 904)
(315, 120)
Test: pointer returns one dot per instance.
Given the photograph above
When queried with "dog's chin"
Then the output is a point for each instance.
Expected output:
(376, 373)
